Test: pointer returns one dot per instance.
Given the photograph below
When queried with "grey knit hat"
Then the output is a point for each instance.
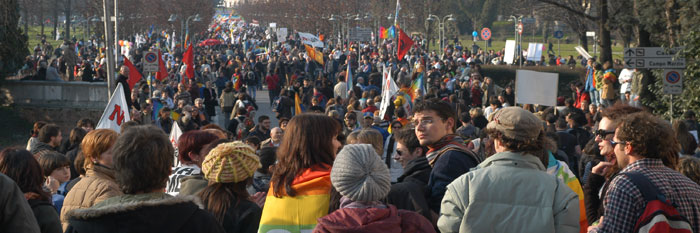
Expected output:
(359, 174)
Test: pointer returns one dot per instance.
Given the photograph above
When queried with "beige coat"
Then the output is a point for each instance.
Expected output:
(97, 185)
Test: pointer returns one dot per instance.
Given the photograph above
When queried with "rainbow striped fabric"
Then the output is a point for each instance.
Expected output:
(416, 85)
(386, 32)
(562, 171)
(299, 213)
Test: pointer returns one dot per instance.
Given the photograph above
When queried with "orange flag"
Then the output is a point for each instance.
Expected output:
(314, 54)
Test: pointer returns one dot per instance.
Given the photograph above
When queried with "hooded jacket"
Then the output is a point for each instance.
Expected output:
(409, 192)
(151, 212)
(97, 185)
(509, 192)
(383, 220)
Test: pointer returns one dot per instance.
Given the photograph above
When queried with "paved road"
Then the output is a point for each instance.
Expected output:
(262, 98)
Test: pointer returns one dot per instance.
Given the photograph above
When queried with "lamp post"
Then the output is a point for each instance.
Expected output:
(91, 19)
(518, 39)
(441, 27)
(187, 23)
(347, 19)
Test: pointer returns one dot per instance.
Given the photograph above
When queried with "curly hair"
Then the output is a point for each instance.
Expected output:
(690, 167)
(650, 137)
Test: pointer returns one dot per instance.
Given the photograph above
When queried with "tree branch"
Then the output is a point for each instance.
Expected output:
(570, 9)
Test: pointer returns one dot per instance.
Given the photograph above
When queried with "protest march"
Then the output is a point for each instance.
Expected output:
(257, 126)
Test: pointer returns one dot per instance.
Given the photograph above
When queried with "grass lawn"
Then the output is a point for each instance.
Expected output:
(35, 35)
(566, 49)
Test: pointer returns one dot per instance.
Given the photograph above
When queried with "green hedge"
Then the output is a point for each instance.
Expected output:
(503, 75)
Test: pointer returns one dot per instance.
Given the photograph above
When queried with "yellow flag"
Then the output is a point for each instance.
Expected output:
(313, 54)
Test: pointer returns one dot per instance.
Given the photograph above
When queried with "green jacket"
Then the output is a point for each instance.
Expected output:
(598, 75)
(509, 192)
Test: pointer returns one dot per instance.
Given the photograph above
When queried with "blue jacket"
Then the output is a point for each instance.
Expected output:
(589, 79)
(447, 168)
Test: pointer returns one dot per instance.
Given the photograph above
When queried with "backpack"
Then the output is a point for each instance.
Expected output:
(660, 215)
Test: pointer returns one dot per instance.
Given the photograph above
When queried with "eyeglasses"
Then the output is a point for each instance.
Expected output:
(602, 133)
(614, 143)
(423, 122)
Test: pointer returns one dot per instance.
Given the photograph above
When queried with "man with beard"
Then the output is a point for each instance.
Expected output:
(262, 130)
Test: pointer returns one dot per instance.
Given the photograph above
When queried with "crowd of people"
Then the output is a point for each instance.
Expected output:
(455, 155)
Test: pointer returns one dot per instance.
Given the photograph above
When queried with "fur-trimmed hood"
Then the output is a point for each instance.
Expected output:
(154, 212)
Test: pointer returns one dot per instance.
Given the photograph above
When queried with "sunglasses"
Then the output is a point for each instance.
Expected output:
(602, 133)
(614, 143)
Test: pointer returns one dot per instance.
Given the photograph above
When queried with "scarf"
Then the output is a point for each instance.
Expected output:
(449, 142)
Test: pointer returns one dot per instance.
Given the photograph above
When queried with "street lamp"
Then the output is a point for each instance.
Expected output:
(347, 18)
(187, 24)
(441, 27)
(516, 21)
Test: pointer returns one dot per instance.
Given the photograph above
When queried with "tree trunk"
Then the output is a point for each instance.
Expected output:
(68, 19)
(41, 16)
(55, 20)
(26, 19)
(584, 40)
(605, 45)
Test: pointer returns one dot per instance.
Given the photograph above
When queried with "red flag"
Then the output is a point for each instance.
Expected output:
(405, 44)
(162, 72)
(188, 59)
(134, 75)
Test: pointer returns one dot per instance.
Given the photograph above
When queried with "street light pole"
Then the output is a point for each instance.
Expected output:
(441, 27)
(116, 31)
(108, 45)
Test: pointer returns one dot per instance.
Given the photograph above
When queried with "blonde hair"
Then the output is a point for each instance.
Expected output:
(367, 136)
(95, 143)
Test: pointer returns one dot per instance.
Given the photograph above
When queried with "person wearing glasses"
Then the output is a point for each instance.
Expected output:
(645, 148)
(601, 171)
(434, 122)
(409, 192)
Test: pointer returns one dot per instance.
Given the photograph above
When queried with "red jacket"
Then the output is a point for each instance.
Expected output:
(580, 97)
(388, 220)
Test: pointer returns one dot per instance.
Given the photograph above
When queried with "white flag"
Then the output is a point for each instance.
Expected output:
(310, 39)
(116, 113)
(175, 133)
(389, 89)
(388, 84)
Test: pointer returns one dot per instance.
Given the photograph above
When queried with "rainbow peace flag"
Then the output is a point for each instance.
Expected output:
(562, 171)
(299, 213)
(386, 32)
(416, 85)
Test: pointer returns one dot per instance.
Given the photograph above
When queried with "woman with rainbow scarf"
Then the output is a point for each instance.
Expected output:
(300, 188)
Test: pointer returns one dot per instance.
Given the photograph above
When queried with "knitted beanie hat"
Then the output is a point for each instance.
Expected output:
(230, 163)
(359, 174)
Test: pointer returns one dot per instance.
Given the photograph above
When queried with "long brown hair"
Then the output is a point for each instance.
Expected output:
(20, 166)
(217, 197)
(307, 142)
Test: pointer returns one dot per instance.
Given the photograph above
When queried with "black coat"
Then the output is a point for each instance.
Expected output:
(210, 100)
(409, 192)
(46, 216)
(243, 218)
(127, 90)
(175, 214)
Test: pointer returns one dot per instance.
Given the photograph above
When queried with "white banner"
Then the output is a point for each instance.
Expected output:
(281, 35)
(175, 133)
(583, 52)
(310, 39)
(116, 112)
(510, 52)
(533, 87)
(389, 88)
(534, 52)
